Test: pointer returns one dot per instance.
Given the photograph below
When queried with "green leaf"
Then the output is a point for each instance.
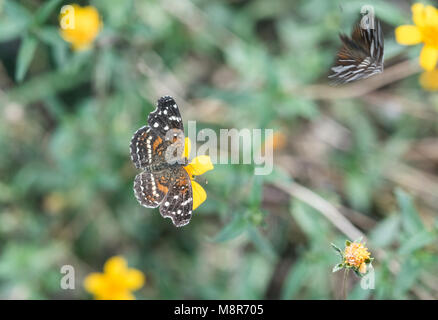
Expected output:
(410, 219)
(51, 37)
(358, 189)
(14, 20)
(232, 230)
(45, 10)
(308, 220)
(369, 260)
(406, 278)
(417, 241)
(336, 249)
(46, 85)
(255, 195)
(386, 231)
(10, 29)
(298, 107)
(360, 275)
(261, 243)
(15, 10)
(25, 55)
(296, 279)
(338, 267)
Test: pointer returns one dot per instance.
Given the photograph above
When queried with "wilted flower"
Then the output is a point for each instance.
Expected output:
(80, 26)
(198, 166)
(424, 31)
(116, 282)
(355, 256)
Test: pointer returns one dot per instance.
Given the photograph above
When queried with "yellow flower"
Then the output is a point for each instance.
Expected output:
(356, 255)
(81, 26)
(116, 282)
(429, 80)
(425, 30)
(196, 167)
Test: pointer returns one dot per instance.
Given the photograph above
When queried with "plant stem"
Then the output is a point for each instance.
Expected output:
(344, 284)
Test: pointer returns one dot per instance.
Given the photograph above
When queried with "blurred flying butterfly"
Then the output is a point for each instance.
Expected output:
(158, 150)
(361, 56)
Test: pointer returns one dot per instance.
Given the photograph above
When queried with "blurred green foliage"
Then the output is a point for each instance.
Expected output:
(66, 176)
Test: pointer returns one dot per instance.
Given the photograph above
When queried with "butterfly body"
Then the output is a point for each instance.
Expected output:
(157, 149)
(361, 55)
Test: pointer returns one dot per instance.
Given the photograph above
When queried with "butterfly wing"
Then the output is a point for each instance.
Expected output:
(150, 144)
(361, 56)
(178, 204)
(166, 116)
(147, 148)
(166, 121)
(154, 149)
(151, 188)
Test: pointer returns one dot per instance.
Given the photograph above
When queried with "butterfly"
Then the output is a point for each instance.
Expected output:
(360, 56)
(158, 150)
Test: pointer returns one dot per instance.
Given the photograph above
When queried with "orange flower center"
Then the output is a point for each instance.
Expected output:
(355, 254)
(430, 35)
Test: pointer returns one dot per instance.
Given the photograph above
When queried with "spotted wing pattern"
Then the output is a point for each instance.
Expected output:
(163, 183)
(165, 117)
(361, 56)
(147, 148)
(151, 188)
(178, 203)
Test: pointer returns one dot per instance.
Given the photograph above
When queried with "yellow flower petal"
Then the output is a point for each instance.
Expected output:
(355, 254)
(134, 279)
(117, 281)
(429, 80)
(123, 295)
(424, 15)
(363, 268)
(408, 35)
(115, 266)
(94, 282)
(199, 165)
(196, 167)
(187, 147)
(428, 57)
(418, 14)
(199, 194)
(431, 16)
(87, 25)
(119, 295)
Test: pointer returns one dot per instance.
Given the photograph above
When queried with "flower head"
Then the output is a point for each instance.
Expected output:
(116, 282)
(424, 31)
(355, 256)
(198, 166)
(429, 80)
(80, 26)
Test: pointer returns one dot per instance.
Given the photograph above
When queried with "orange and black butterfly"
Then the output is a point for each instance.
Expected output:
(158, 150)
(361, 56)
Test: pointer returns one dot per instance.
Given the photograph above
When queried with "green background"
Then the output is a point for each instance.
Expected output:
(66, 120)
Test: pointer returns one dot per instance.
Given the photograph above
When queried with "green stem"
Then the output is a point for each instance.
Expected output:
(344, 284)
